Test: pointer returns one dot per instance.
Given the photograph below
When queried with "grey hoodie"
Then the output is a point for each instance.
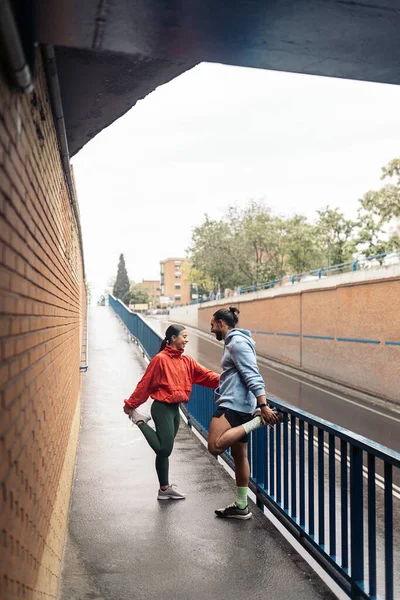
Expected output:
(240, 382)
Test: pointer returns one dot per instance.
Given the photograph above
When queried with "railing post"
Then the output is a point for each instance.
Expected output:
(344, 505)
(332, 497)
(321, 489)
(285, 465)
(356, 518)
(372, 525)
(388, 517)
(293, 469)
(311, 495)
(302, 476)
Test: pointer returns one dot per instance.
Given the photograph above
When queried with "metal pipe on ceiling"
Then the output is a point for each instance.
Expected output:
(14, 53)
(58, 114)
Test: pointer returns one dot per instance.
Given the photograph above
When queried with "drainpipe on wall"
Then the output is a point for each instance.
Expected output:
(55, 95)
(15, 59)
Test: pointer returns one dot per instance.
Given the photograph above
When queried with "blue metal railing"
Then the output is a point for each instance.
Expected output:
(333, 489)
(353, 265)
(148, 339)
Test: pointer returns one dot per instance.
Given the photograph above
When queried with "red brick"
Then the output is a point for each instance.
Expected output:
(5, 276)
(5, 183)
(5, 139)
(7, 349)
(15, 177)
(3, 374)
(9, 258)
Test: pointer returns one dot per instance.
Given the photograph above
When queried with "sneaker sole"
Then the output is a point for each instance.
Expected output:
(239, 517)
(171, 497)
(134, 421)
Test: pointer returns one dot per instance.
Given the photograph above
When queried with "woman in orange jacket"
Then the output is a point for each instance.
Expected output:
(168, 380)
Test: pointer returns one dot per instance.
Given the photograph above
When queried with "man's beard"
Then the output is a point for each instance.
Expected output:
(218, 335)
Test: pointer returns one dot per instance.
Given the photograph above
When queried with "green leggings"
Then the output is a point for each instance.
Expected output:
(166, 419)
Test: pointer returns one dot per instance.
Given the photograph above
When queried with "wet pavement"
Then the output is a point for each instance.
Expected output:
(123, 544)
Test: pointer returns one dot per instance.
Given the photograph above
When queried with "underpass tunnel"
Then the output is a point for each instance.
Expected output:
(69, 70)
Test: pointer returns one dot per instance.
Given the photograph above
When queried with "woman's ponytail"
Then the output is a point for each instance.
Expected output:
(163, 344)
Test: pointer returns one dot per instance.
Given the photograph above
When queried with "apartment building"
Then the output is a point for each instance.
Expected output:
(152, 287)
(174, 288)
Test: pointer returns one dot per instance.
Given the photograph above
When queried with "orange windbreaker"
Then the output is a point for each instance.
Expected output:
(169, 378)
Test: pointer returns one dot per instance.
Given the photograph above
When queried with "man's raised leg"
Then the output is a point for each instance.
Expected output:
(222, 435)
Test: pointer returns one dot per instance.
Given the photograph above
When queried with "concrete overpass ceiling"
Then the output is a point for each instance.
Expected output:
(99, 87)
(111, 53)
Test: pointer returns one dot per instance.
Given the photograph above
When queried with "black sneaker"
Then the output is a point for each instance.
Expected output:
(233, 512)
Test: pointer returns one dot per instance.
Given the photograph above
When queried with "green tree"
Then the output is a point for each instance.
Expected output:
(258, 238)
(121, 285)
(301, 245)
(379, 211)
(212, 253)
(336, 236)
(198, 280)
(138, 295)
(245, 247)
(385, 203)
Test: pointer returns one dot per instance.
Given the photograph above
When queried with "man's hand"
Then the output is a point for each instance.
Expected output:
(128, 410)
(268, 417)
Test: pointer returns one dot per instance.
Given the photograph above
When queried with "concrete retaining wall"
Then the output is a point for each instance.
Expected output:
(345, 328)
(187, 315)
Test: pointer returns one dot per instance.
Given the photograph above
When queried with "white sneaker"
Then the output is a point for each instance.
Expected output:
(136, 416)
(171, 493)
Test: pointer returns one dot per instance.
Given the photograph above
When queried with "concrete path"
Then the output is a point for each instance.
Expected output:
(125, 545)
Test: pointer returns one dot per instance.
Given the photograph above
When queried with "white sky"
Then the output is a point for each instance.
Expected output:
(217, 135)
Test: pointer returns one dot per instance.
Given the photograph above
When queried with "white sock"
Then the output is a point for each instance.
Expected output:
(252, 425)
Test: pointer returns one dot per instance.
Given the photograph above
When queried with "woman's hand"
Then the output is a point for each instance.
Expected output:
(128, 410)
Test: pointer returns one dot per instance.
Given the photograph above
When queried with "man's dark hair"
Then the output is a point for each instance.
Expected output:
(230, 317)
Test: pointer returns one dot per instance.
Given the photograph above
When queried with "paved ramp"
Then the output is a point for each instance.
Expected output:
(125, 545)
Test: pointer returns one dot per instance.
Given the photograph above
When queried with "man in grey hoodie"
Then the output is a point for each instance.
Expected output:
(242, 404)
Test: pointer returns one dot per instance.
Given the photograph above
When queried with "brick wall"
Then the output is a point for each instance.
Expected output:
(349, 332)
(42, 310)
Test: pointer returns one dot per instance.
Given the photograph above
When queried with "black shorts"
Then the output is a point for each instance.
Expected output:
(234, 418)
